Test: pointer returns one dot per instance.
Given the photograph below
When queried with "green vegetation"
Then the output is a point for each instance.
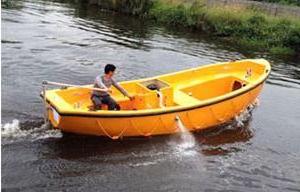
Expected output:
(244, 26)
(11, 4)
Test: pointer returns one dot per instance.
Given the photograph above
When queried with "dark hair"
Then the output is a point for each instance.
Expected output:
(108, 68)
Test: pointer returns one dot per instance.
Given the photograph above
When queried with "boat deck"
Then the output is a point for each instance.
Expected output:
(185, 88)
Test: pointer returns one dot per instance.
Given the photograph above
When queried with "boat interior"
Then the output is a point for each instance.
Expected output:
(183, 88)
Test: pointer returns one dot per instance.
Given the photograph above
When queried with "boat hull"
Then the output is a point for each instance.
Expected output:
(194, 118)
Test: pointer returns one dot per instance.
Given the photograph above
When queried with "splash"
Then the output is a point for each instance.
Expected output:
(12, 129)
(187, 148)
(245, 115)
(16, 131)
(187, 138)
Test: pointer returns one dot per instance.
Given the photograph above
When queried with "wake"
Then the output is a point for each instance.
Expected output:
(28, 130)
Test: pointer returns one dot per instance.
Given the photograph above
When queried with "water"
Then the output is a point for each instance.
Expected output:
(65, 42)
(188, 140)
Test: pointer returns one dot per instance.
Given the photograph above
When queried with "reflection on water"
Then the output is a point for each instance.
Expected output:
(67, 42)
(233, 133)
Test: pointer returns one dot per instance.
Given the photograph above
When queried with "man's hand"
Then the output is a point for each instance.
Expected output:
(131, 97)
(109, 90)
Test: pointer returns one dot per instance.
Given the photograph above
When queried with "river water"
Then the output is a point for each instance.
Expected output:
(65, 42)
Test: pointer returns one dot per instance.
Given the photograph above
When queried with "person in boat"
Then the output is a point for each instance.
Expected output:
(104, 82)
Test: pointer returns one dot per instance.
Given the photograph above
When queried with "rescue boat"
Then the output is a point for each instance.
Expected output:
(201, 98)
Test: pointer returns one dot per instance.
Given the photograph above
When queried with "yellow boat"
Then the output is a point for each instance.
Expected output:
(201, 98)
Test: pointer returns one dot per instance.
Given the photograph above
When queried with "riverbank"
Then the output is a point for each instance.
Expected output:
(249, 27)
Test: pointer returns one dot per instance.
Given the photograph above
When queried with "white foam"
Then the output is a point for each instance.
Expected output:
(188, 140)
(147, 163)
(11, 129)
(186, 148)
(12, 132)
(246, 114)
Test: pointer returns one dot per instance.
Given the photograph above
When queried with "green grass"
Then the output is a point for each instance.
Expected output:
(245, 26)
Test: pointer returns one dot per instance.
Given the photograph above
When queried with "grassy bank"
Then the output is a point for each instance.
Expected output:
(243, 26)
